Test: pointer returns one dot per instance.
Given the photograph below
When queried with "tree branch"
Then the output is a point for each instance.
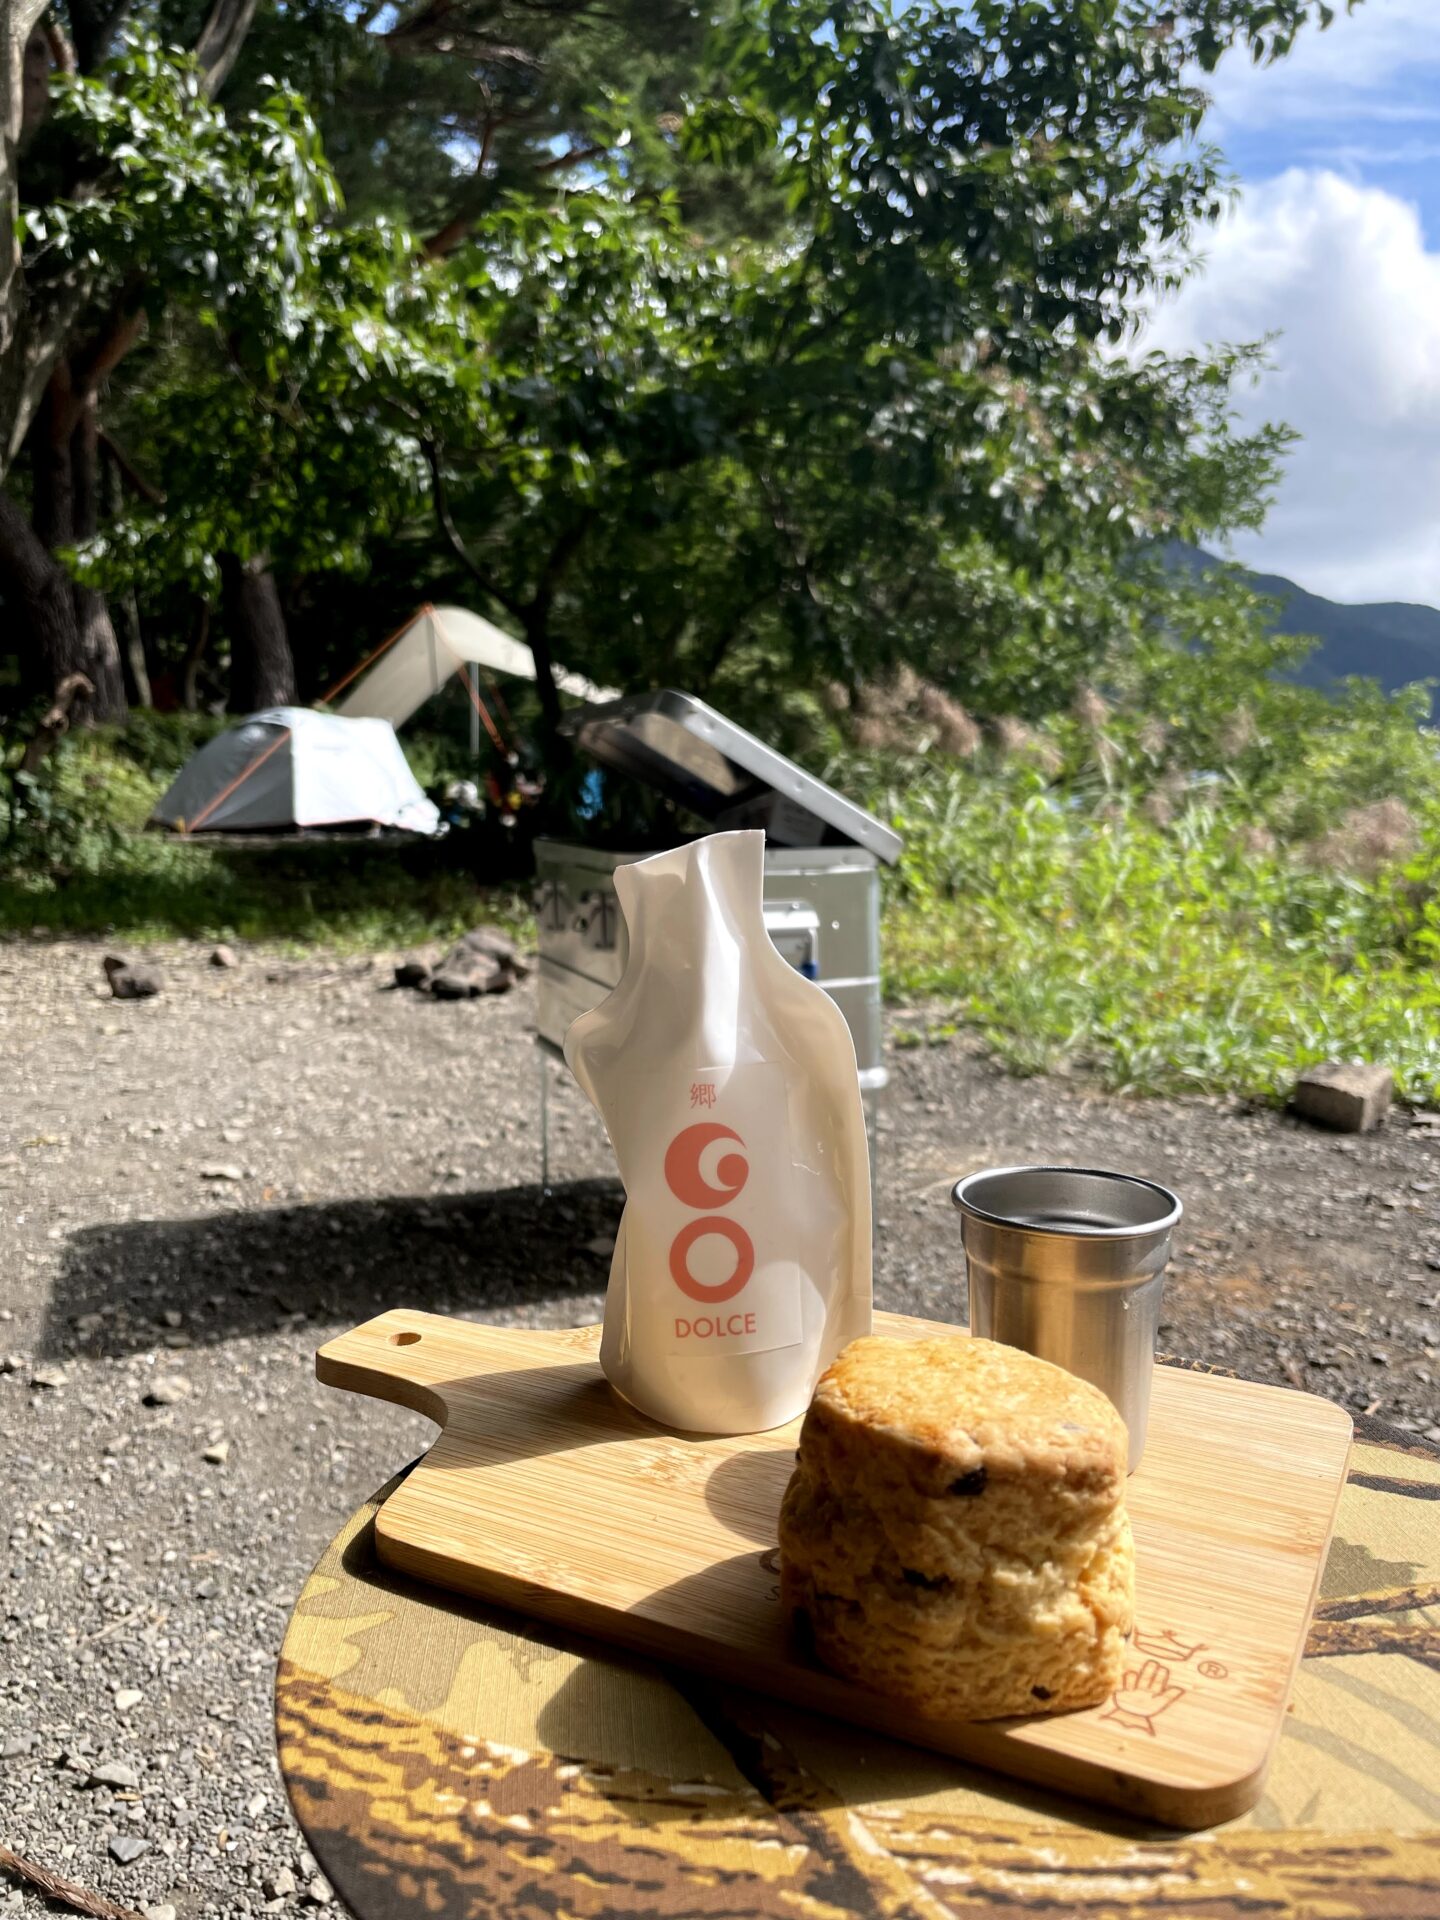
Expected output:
(221, 39)
(93, 28)
(62, 54)
(127, 468)
(455, 230)
(557, 560)
(457, 545)
(441, 26)
(88, 366)
(570, 159)
(54, 1887)
(123, 326)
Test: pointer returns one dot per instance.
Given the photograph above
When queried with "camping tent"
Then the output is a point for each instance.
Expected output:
(289, 769)
(439, 642)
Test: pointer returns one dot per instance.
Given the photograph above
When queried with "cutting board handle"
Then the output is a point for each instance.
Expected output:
(400, 1356)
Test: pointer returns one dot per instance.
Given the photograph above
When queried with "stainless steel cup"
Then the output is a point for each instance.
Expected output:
(1069, 1263)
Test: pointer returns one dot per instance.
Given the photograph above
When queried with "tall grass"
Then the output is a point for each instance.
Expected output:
(1073, 931)
(1177, 935)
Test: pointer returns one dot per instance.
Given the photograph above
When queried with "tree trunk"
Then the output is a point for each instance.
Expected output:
(537, 638)
(194, 654)
(127, 609)
(31, 343)
(99, 648)
(535, 618)
(42, 593)
(65, 462)
(19, 26)
(262, 669)
(51, 468)
(132, 649)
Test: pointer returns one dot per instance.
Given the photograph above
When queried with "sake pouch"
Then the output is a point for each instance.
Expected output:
(728, 1087)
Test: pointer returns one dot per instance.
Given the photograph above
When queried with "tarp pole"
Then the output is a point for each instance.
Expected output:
(480, 707)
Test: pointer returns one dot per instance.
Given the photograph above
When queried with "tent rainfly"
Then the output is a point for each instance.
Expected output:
(289, 769)
(440, 641)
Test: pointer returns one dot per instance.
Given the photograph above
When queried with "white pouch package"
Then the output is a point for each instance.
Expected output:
(728, 1087)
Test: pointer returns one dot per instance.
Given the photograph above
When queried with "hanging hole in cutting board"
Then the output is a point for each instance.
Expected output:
(403, 1339)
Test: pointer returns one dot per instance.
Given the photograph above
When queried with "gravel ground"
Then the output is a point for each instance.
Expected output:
(198, 1189)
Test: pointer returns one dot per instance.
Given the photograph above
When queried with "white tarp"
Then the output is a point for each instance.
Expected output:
(290, 767)
(439, 642)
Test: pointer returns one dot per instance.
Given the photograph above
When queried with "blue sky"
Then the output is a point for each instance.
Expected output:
(1334, 249)
(1362, 100)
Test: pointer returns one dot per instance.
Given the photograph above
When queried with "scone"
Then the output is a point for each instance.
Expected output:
(955, 1532)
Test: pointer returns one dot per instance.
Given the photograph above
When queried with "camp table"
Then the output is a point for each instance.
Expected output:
(451, 1760)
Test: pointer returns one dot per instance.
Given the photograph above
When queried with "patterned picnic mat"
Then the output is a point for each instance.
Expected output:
(446, 1760)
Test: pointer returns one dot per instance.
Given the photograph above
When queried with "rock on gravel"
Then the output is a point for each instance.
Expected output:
(128, 982)
(483, 961)
(114, 1773)
(167, 1391)
(1349, 1096)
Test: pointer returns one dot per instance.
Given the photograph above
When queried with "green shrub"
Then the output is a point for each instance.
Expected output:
(1073, 931)
(1175, 930)
(159, 744)
(75, 858)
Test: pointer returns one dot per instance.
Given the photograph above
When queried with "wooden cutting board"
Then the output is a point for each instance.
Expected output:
(547, 1493)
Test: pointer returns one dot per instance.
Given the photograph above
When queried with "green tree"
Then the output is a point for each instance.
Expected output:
(432, 110)
(67, 315)
(800, 453)
(910, 409)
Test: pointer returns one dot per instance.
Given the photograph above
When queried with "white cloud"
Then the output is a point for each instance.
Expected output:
(1356, 156)
(1357, 67)
(1341, 274)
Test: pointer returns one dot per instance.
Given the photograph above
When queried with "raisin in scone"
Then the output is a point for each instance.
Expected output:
(955, 1531)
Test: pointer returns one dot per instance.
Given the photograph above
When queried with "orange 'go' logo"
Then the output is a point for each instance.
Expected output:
(687, 1182)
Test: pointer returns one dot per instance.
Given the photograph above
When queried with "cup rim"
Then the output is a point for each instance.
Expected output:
(968, 1207)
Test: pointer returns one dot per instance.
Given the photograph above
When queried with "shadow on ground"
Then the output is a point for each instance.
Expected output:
(250, 1272)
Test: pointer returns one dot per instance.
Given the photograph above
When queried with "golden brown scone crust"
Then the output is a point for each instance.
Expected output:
(955, 1532)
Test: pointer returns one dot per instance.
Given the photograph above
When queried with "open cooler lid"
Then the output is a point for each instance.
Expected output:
(698, 758)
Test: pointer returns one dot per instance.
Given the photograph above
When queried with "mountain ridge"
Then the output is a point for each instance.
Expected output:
(1393, 641)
